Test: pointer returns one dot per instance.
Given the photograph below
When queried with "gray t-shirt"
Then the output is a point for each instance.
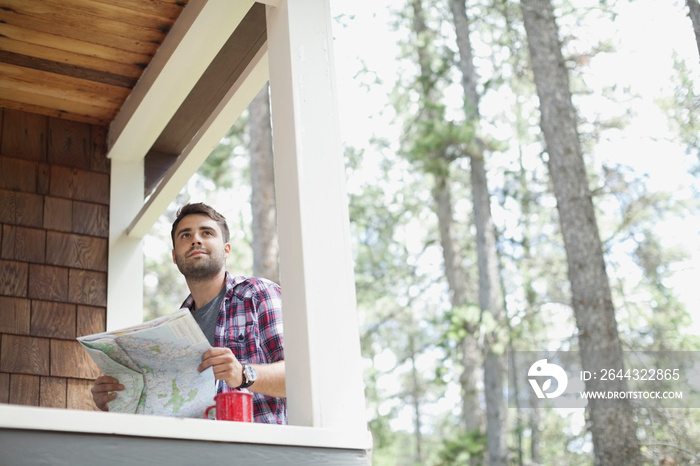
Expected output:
(207, 315)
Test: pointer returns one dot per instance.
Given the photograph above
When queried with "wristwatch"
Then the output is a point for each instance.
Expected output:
(250, 375)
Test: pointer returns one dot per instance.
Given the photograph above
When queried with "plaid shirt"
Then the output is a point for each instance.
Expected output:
(250, 324)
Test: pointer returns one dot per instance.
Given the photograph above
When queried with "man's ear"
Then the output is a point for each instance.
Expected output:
(172, 251)
(227, 249)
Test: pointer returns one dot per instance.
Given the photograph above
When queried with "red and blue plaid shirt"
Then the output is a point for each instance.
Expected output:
(250, 324)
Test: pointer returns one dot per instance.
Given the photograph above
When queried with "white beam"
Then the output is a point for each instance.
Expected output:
(207, 138)
(64, 421)
(125, 269)
(322, 347)
(196, 37)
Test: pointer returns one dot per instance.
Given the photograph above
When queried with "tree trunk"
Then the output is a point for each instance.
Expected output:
(613, 429)
(530, 293)
(694, 13)
(264, 225)
(490, 292)
(416, 396)
(519, 413)
(472, 416)
(490, 300)
(456, 275)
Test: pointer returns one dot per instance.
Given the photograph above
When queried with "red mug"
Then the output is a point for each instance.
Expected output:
(232, 406)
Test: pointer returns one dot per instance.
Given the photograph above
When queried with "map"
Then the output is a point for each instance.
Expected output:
(157, 363)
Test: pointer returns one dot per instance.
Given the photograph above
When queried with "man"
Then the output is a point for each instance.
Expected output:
(241, 317)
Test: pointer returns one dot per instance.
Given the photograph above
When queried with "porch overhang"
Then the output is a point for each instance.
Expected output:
(207, 71)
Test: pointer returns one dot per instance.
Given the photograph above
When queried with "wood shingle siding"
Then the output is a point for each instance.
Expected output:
(18, 208)
(85, 252)
(54, 320)
(58, 214)
(54, 227)
(24, 355)
(69, 144)
(24, 389)
(13, 278)
(52, 392)
(81, 185)
(48, 283)
(87, 287)
(74, 360)
(78, 395)
(24, 175)
(90, 219)
(15, 315)
(23, 244)
(90, 320)
(23, 135)
(4, 387)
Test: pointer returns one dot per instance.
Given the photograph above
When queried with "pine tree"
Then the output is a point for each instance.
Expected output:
(490, 292)
(614, 438)
(262, 182)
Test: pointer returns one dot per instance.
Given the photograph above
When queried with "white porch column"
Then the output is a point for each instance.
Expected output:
(322, 348)
(125, 270)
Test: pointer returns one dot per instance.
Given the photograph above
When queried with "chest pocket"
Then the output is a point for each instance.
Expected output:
(244, 339)
(240, 328)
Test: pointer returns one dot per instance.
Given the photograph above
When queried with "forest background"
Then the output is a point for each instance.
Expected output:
(454, 269)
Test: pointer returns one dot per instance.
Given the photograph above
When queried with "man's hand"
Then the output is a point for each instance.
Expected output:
(102, 391)
(225, 365)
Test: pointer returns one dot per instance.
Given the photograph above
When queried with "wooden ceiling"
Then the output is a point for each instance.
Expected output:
(78, 59)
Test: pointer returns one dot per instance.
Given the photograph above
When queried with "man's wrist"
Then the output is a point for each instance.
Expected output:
(248, 376)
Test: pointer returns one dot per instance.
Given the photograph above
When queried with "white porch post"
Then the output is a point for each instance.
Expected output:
(125, 270)
(322, 349)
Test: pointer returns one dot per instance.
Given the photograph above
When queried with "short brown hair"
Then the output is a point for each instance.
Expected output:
(201, 208)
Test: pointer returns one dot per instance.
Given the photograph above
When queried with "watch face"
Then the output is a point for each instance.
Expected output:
(251, 374)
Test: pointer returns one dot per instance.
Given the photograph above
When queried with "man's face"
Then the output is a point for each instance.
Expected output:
(199, 249)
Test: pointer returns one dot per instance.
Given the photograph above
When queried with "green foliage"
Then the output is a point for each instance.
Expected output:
(398, 451)
(219, 165)
(435, 143)
(431, 141)
(564, 439)
(669, 436)
(164, 288)
(681, 109)
(649, 313)
(462, 320)
(462, 449)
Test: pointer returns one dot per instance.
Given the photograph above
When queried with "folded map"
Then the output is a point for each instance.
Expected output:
(157, 363)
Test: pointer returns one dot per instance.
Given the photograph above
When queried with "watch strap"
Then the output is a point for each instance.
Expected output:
(245, 383)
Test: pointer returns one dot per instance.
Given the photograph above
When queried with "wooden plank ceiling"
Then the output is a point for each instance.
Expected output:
(80, 59)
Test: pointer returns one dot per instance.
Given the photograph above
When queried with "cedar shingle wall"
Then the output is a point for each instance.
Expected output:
(54, 222)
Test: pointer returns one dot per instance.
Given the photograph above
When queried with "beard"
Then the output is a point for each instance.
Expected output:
(200, 268)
